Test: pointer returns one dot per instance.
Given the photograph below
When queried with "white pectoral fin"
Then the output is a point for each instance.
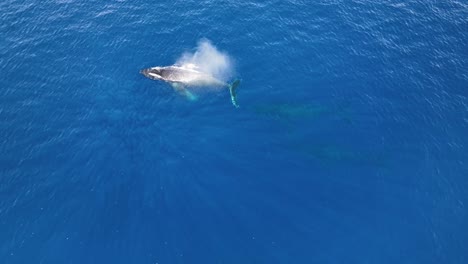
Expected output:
(180, 88)
(232, 91)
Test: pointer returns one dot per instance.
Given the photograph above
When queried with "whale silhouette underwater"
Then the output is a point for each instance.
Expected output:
(184, 77)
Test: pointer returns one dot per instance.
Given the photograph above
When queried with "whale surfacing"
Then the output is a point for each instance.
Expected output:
(181, 77)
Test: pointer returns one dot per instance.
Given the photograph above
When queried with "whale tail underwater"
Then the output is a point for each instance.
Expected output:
(182, 77)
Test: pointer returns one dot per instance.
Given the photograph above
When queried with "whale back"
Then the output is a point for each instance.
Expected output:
(183, 75)
(189, 77)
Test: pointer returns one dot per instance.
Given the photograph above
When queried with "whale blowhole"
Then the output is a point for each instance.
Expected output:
(208, 59)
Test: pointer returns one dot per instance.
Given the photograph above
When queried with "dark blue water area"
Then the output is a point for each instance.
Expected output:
(350, 145)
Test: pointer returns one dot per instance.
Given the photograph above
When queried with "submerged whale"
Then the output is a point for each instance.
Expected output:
(181, 77)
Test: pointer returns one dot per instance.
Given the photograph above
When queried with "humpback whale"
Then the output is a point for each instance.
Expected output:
(180, 77)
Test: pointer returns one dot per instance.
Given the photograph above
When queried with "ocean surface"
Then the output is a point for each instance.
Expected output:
(350, 144)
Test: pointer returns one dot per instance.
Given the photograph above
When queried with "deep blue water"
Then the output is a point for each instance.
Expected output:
(350, 145)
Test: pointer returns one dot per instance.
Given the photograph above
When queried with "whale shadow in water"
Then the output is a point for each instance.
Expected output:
(298, 122)
(290, 112)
